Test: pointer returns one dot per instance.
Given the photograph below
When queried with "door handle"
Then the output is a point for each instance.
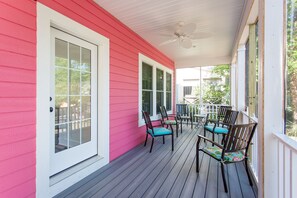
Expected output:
(51, 109)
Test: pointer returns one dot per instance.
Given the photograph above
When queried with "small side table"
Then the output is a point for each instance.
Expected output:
(200, 120)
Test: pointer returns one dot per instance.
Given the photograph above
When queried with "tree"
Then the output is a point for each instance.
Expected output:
(291, 92)
(217, 89)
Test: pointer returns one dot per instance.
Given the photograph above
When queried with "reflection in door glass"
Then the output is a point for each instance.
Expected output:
(74, 134)
(61, 140)
(72, 95)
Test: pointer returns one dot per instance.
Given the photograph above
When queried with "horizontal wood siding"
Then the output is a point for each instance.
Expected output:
(17, 98)
(124, 48)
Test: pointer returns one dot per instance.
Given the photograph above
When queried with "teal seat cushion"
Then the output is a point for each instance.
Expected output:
(158, 131)
(170, 122)
(220, 130)
(229, 157)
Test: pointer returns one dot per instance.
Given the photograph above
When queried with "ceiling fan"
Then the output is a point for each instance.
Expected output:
(184, 34)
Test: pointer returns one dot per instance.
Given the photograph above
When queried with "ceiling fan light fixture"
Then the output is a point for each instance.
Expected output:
(184, 34)
(186, 43)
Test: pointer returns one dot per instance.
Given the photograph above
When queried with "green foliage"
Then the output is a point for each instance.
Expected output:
(291, 109)
(217, 91)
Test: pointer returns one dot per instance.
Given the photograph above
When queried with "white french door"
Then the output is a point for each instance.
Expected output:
(73, 101)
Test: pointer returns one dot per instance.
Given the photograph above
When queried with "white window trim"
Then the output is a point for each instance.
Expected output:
(46, 18)
(142, 58)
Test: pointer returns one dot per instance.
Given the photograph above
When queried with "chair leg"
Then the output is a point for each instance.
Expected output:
(191, 124)
(176, 130)
(223, 139)
(181, 126)
(145, 140)
(197, 154)
(197, 157)
(172, 141)
(224, 178)
(213, 138)
(163, 139)
(152, 145)
(247, 172)
(204, 135)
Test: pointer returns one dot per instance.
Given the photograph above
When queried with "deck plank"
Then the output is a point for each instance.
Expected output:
(212, 180)
(142, 179)
(180, 181)
(137, 174)
(174, 177)
(163, 173)
(234, 186)
(86, 182)
(193, 177)
(159, 172)
(244, 181)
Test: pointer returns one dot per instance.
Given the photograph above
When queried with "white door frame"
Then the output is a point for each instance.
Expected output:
(46, 18)
(64, 159)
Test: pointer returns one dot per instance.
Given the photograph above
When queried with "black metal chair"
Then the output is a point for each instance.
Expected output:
(156, 130)
(183, 113)
(233, 149)
(218, 117)
(169, 120)
(221, 127)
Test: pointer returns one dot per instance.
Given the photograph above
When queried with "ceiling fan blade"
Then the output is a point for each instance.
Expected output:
(200, 35)
(167, 42)
(188, 28)
(186, 43)
(166, 34)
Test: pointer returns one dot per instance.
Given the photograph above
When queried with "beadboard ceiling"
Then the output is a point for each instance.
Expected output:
(217, 21)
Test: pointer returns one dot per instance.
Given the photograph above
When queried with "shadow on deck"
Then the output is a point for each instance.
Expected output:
(163, 173)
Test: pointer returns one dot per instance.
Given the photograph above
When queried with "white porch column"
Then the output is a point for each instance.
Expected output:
(240, 77)
(271, 93)
(233, 85)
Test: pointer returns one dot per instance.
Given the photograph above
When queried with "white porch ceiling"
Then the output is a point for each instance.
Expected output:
(152, 19)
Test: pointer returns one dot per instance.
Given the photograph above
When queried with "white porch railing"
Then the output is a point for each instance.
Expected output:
(287, 163)
(254, 148)
(202, 109)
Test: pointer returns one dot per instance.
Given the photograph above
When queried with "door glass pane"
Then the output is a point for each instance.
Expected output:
(74, 134)
(61, 109)
(85, 59)
(61, 81)
(74, 108)
(86, 107)
(74, 82)
(72, 95)
(61, 50)
(61, 137)
(86, 130)
(86, 84)
(74, 56)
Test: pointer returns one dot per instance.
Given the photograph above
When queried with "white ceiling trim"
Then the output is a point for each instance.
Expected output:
(153, 20)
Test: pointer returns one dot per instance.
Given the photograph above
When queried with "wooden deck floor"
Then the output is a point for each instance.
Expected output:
(163, 173)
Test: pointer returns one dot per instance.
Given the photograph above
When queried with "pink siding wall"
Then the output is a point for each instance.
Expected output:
(17, 97)
(18, 85)
(124, 48)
